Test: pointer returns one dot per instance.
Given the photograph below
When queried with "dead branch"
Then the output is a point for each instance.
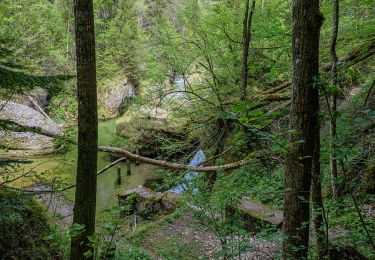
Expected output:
(175, 166)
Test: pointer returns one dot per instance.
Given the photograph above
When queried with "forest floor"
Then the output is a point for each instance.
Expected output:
(186, 238)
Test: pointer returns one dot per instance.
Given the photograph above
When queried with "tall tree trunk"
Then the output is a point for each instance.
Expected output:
(316, 197)
(85, 196)
(248, 17)
(307, 21)
(333, 131)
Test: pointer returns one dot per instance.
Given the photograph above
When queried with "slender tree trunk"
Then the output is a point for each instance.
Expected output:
(333, 131)
(316, 197)
(248, 17)
(85, 196)
(307, 21)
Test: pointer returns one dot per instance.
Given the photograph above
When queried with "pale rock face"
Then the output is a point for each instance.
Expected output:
(27, 117)
(26, 143)
(115, 98)
(39, 95)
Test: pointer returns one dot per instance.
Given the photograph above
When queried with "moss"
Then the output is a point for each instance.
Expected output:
(23, 224)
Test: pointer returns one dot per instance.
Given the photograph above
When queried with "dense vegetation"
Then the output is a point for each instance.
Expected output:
(192, 85)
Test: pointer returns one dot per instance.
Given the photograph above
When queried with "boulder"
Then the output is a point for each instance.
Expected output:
(25, 141)
(114, 96)
(146, 203)
(26, 144)
(37, 96)
(25, 116)
(169, 201)
(19, 142)
(140, 201)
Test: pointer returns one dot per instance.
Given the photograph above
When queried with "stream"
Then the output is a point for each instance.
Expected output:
(63, 167)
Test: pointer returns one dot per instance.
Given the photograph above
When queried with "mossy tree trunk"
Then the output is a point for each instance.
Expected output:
(307, 21)
(85, 196)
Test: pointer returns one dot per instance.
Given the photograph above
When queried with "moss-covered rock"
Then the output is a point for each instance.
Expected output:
(113, 95)
(37, 95)
(146, 203)
(25, 141)
(143, 126)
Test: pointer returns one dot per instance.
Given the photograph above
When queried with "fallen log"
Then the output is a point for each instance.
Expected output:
(170, 165)
(256, 215)
(176, 166)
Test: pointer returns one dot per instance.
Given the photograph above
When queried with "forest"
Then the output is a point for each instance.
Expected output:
(187, 129)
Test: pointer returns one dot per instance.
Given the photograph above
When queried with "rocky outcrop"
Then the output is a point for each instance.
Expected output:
(145, 203)
(25, 141)
(30, 133)
(114, 96)
(37, 96)
(27, 117)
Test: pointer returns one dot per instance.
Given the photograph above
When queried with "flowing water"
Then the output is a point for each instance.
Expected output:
(197, 160)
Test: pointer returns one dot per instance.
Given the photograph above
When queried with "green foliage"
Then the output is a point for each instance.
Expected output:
(172, 249)
(132, 253)
(343, 217)
(63, 107)
(22, 227)
(119, 38)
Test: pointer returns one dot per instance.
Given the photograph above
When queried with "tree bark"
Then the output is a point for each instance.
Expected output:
(248, 17)
(85, 196)
(333, 131)
(307, 21)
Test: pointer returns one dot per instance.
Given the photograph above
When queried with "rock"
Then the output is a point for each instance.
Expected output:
(56, 206)
(140, 201)
(257, 215)
(25, 116)
(113, 98)
(39, 95)
(20, 143)
(26, 144)
(146, 203)
(169, 201)
(25, 141)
